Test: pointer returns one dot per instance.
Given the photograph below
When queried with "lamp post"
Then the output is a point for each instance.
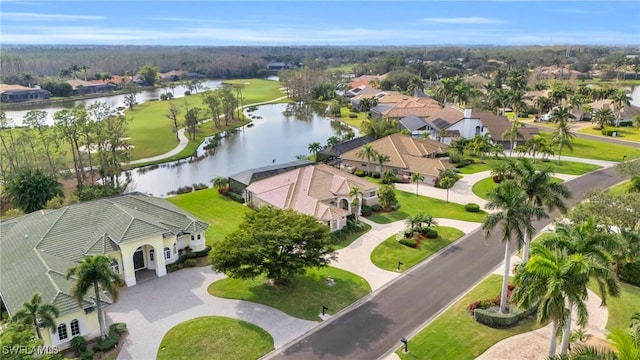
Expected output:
(624, 157)
(324, 309)
(400, 263)
(406, 344)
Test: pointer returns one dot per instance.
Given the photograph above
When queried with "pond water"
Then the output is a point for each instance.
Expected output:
(635, 95)
(113, 101)
(280, 132)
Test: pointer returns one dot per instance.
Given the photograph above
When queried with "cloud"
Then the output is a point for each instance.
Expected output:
(28, 16)
(465, 20)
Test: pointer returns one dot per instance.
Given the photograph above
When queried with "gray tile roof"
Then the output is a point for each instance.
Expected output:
(37, 249)
(412, 123)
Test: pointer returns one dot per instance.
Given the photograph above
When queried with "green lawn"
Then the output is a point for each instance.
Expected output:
(387, 254)
(565, 167)
(303, 297)
(455, 335)
(621, 308)
(221, 213)
(410, 204)
(352, 237)
(354, 122)
(592, 149)
(482, 187)
(345, 68)
(620, 189)
(151, 131)
(215, 337)
(624, 133)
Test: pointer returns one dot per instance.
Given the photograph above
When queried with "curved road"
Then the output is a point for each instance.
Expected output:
(373, 327)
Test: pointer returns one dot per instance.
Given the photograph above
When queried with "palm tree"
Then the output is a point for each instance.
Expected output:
(543, 104)
(417, 178)
(547, 280)
(541, 191)
(620, 99)
(66, 72)
(447, 182)
(513, 216)
(95, 272)
(534, 145)
(367, 151)
(604, 117)
(356, 194)
(314, 148)
(28, 78)
(416, 83)
(563, 134)
(39, 314)
(220, 183)
(516, 100)
(84, 69)
(513, 134)
(333, 141)
(381, 159)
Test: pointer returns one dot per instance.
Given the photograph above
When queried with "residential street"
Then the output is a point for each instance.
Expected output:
(374, 327)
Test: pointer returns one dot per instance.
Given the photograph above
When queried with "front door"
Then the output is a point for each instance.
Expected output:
(138, 260)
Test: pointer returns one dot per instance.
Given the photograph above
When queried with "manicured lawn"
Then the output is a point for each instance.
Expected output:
(592, 149)
(621, 308)
(354, 122)
(221, 213)
(620, 188)
(482, 187)
(352, 237)
(387, 254)
(303, 297)
(151, 131)
(410, 204)
(455, 335)
(565, 167)
(345, 68)
(215, 337)
(624, 133)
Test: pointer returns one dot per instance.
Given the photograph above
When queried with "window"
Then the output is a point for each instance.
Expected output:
(167, 253)
(114, 265)
(478, 130)
(192, 238)
(372, 194)
(75, 327)
(62, 332)
(199, 236)
(175, 248)
(152, 253)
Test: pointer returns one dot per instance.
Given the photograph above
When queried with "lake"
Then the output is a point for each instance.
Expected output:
(113, 101)
(280, 132)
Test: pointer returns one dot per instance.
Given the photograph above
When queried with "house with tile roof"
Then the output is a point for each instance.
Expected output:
(140, 234)
(81, 87)
(420, 107)
(382, 97)
(319, 190)
(407, 155)
(19, 93)
(453, 121)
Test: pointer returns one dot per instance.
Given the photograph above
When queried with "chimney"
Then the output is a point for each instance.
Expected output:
(467, 113)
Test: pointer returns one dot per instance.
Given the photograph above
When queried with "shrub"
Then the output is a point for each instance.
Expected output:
(375, 175)
(376, 207)
(236, 197)
(630, 273)
(499, 320)
(86, 355)
(366, 210)
(408, 242)
(455, 158)
(471, 207)
(184, 190)
(353, 116)
(187, 93)
(118, 328)
(431, 234)
(108, 343)
(607, 132)
(200, 186)
(190, 263)
(78, 344)
(358, 173)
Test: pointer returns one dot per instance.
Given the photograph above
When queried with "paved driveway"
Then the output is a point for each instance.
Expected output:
(153, 307)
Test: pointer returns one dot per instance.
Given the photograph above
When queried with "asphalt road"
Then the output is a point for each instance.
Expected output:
(369, 330)
(607, 139)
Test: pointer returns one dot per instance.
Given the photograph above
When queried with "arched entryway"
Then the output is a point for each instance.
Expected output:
(344, 204)
(145, 263)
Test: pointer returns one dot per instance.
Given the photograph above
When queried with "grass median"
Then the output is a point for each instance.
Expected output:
(482, 187)
(565, 167)
(303, 297)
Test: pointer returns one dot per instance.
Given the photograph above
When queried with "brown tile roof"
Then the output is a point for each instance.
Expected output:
(6, 87)
(420, 107)
(406, 152)
(310, 190)
(449, 114)
(497, 125)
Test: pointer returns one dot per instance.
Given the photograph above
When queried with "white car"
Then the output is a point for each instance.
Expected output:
(546, 117)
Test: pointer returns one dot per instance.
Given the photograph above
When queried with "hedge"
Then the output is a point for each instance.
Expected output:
(366, 210)
(471, 207)
(500, 320)
(408, 242)
(431, 234)
(630, 273)
(236, 197)
(181, 262)
(111, 341)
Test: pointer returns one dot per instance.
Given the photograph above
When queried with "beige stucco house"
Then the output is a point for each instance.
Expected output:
(140, 233)
(407, 155)
(319, 190)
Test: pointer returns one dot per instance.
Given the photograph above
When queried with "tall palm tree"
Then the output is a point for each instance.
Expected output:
(543, 104)
(620, 99)
(547, 280)
(84, 69)
(534, 145)
(367, 151)
(95, 272)
(314, 148)
(513, 134)
(28, 78)
(382, 159)
(604, 117)
(541, 191)
(356, 194)
(563, 135)
(417, 178)
(513, 216)
(39, 314)
(516, 100)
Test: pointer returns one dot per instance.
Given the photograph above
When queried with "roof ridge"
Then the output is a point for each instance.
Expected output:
(397, 152)
(55, 286)
(51, 226)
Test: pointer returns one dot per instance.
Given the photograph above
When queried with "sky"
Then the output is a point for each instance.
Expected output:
(332, 23)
